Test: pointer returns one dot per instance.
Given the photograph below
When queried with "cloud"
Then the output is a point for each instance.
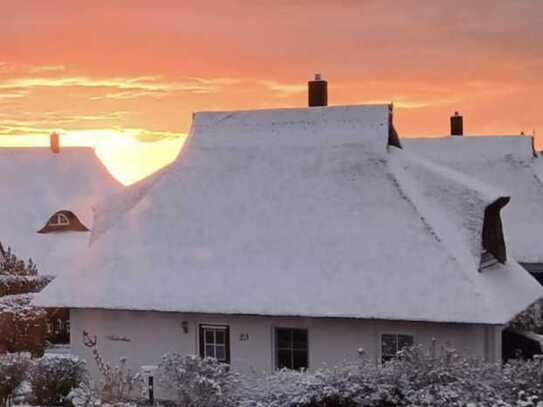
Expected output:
(285, 89)
(7, 68)
(127, 87)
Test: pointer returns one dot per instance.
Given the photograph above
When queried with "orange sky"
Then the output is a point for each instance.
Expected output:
(108, 73)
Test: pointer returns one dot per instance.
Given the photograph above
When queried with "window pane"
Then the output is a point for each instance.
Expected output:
(219, 336)
(210, 351)
(299, 338)
(209, 336)
(388, 345)
(283, 359)
(220, 352)
(404, 341)
(284, 338)
(300, 359)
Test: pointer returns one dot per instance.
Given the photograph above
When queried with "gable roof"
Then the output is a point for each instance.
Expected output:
(37, 183)
(301, 212)
(506, 162)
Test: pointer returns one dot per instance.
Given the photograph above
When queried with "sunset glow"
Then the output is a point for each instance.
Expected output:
(126, 76)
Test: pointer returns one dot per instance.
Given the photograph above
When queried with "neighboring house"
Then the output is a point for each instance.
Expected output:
(293, 238)
(506, 162)
(511, 164)
(46, 210)
(47, 204)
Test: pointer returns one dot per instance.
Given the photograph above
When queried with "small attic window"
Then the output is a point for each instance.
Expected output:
(63, 221)
(59, 219)
(493, 250)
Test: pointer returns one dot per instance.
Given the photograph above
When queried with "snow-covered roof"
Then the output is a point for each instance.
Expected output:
(506, 162)
(300, 212)
(36, 183)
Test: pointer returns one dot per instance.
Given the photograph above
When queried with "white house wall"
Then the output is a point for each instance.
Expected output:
(143, 337)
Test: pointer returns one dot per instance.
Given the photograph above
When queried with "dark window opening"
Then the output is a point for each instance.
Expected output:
(58, 326)
(63, 221)
(291, 348)
(535, 269)
(493, 250)
(393, 138)
(391, 344)
(215, 342)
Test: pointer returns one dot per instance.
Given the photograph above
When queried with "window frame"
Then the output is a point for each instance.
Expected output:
(202, 329)
(60, 219)
(292, 349)
(396, 334)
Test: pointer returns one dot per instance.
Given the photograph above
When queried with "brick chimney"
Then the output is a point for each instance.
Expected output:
(317, 91)
(457, 125)
(54, 142)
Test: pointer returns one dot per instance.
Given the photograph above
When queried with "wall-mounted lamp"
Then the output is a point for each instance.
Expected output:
(185, 326)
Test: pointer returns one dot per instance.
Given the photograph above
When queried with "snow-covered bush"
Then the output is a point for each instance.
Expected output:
(53, 378)
(198, 382)
(23, 326)
(118, 384)
(436, 377)
(13, 369)
(522, 378)
(324, 388)
(530, 319)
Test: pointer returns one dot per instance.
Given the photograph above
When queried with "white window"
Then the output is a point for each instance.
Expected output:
(391, 344)
(215, 342)
(59, 219)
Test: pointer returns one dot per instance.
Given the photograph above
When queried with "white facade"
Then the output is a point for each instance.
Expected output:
(144, 336)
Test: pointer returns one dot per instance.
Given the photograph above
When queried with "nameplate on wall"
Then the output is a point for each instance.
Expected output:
(118, 338)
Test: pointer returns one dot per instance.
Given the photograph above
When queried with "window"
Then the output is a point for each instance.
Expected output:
(493, 244)
(63, 221)
(215, 342)
(487, 260)
(59, 219)
(291, 348)
(391, 344)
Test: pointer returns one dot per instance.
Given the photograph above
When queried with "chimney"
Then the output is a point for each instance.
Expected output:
(457, 125)
(54, 142)
(317, 91)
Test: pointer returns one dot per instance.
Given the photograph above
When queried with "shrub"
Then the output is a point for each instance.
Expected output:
(13, 370)
(53, 378)
(323, 388)
(118, 385)
(198, 382)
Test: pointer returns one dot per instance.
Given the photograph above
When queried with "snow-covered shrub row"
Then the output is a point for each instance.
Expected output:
(53, 378)
(418, 377)
(13, 370)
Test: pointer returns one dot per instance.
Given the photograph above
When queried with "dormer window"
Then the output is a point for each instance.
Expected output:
(59, 219)
(493, 250)
(63, 221)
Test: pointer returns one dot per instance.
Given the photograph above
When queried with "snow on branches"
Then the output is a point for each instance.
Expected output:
(25, 324)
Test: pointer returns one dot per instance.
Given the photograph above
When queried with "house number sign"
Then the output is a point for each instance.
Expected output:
(244, 337)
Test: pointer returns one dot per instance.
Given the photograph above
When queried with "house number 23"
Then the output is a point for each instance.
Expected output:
(244, 337)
